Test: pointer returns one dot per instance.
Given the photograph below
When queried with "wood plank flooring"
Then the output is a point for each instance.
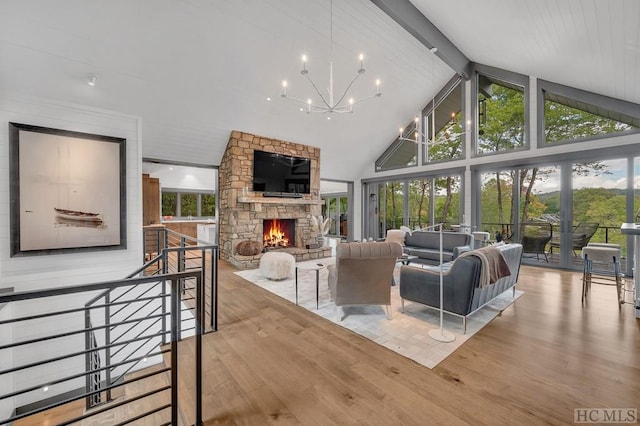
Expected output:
(272, 362)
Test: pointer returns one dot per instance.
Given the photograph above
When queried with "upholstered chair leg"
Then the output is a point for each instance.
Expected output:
(402, 305)
(464, 325)
(339, 313)
(389, 313)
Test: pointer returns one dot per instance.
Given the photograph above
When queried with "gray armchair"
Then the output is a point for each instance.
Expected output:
(362, 274)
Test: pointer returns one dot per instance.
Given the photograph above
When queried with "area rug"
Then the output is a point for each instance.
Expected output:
(406, 333)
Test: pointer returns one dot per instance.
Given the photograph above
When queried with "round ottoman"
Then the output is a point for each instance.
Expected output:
(277, 265)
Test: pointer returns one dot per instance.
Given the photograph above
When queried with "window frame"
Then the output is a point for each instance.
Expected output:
(605, 102)
(507, 77)
(179, 192)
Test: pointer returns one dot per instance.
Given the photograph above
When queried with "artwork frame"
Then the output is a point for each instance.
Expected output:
(67, 191)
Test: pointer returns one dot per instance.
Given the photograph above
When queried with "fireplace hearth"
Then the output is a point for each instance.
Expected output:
(278, 233)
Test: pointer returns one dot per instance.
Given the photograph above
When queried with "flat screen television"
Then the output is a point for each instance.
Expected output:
(281, 173)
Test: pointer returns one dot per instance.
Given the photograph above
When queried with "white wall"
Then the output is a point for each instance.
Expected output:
(45, 272)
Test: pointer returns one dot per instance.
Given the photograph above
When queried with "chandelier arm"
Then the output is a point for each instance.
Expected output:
(367, 98)
(348, 87)
(307, 104)
(324, 101)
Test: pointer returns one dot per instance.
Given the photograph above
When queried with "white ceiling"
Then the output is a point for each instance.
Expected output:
(195, 70)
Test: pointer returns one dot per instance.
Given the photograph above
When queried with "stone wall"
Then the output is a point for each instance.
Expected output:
(242, 210)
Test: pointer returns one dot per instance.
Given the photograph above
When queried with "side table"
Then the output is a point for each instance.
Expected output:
(311, 267)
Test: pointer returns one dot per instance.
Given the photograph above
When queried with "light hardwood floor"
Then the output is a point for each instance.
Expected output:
(272, 362)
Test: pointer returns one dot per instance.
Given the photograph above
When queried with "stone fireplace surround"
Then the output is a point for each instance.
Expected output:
(242, 210)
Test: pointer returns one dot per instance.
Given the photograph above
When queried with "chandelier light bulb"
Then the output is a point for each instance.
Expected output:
(91, 79)
(284, 89)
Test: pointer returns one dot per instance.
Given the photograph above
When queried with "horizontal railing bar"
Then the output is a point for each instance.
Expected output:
(115, 405)
(203, 248)
(115, 299)
(130, 276)
(71, 333)
(75, 310)
(143, 331)
(131, 302)
(83, 374)
(124, 333)
(59, 291)
(84, 352)
(141, 269)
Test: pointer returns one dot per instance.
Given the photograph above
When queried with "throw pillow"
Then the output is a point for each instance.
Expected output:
(395, 235)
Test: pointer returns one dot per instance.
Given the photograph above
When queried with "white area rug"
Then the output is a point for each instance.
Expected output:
(405, 334)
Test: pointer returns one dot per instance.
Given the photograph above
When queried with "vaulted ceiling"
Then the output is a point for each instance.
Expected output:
(195, 70)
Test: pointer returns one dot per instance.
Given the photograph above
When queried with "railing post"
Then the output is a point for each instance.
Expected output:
(87, 356)
(107, 341)
(175, 323)
(181, 255)
(199, 331)
(214, 288)
(164, 298)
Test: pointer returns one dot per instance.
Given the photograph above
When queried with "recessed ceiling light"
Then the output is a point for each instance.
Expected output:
(268, 98)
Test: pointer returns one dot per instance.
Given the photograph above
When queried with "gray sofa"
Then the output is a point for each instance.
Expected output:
(426, 245)
(462, 295)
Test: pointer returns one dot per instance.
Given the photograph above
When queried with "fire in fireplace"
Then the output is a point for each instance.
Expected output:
(278, 233)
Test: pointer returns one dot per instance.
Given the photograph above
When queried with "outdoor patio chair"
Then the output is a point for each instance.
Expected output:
(535, 236)
(580, 237)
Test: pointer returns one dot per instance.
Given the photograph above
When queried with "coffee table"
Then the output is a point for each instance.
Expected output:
(311, 267)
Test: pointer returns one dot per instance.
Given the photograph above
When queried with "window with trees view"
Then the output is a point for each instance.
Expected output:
(445, 127)
(567, 119)
(501, 115)
(400, 154)
(437, 194)
(188, 204)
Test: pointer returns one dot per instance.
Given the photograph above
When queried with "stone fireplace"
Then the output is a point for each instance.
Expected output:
(243, 212)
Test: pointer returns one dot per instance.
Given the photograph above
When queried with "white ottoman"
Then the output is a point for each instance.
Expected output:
(277, 265)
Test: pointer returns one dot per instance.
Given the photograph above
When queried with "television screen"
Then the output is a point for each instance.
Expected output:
(281, 173)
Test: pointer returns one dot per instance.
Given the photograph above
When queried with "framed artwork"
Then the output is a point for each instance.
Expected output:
(68, 191)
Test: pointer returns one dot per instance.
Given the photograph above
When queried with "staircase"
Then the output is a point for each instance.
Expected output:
(132, 331)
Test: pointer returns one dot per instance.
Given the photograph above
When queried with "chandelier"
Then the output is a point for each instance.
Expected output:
(332, 101)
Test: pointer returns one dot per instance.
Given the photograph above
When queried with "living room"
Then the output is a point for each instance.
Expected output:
(176, 80)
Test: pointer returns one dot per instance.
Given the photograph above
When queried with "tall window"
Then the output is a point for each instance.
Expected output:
(501, 115)
(391, 199)
(445, 127)
(419, 203)
(447, 200)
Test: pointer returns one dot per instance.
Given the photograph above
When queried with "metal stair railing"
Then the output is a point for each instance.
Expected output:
(65, 338)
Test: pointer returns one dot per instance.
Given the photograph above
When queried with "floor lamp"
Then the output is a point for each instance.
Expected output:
(440, 335)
